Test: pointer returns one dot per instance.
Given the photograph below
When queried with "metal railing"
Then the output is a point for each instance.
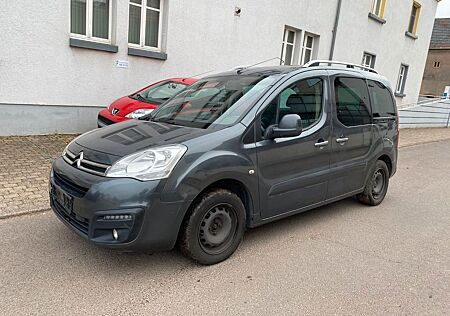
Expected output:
(433, 113)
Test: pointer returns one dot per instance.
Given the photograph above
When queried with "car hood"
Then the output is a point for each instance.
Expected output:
(132, 136)
(127, 105)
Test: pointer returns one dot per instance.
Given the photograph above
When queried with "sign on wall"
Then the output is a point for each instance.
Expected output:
(122, 63)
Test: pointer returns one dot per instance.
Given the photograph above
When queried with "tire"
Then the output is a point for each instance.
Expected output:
(214, 227)
(376, 186)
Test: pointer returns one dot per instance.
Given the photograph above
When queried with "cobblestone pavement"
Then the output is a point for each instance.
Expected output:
(25, 163)
(24, 166)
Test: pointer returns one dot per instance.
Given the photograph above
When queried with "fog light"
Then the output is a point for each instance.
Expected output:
(115, 234)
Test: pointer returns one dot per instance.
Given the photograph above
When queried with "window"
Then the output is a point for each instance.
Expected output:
(303, 98)
(307, 49)
(368, 60)
(414, 19)
(352, 101)
(215, 101)
(287, 49)
(91, 19)
(144, 26)
(160, 92)
(437, 64)
(378, 8)
(382, 102)
(401, 81)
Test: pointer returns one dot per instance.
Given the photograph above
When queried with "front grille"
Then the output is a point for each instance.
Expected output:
(105, 121)
(69, 186)
(76, 221)
(78, 161)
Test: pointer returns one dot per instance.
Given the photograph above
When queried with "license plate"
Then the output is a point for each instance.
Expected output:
(63, 198)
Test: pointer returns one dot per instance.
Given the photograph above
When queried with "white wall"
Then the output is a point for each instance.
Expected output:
(37, 65)
(387, 41)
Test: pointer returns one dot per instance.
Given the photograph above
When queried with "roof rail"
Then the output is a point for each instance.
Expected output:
(316, 63)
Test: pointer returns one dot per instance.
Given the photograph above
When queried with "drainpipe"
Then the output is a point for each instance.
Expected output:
(336, 23)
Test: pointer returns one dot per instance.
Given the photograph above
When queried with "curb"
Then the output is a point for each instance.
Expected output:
(24, 213)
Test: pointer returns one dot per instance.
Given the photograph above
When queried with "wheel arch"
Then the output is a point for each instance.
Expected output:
(388, 161)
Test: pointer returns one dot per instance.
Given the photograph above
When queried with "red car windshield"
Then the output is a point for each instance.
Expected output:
(159, 92)
(217, 100)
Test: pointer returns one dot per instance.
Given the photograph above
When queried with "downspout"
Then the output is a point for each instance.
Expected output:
(336, 23)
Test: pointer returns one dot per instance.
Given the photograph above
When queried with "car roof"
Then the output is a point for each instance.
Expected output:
(185, 80)
(282, 70)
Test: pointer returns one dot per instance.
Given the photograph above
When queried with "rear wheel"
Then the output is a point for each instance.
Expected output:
(214, 228)
(377, 185)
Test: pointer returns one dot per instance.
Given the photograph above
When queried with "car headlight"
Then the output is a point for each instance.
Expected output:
(138, 113)
(151, 164)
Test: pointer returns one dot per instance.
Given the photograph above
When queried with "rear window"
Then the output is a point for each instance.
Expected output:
(382, 102)
(352, 101)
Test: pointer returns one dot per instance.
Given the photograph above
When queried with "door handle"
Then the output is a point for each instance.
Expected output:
(321, 143)
(342, 140)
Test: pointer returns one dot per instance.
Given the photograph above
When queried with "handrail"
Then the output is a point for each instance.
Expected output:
(316, 63)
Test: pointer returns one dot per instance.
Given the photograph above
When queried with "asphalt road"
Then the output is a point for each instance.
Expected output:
(340, 259)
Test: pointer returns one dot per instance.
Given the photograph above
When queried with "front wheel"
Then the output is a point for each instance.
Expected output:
(214, 228)
(377, 185)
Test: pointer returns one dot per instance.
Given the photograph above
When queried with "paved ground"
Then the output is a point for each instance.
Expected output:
(24, 166)
(24, 192)
(340, 259)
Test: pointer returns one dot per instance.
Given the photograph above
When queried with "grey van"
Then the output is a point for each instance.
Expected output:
(233, 151)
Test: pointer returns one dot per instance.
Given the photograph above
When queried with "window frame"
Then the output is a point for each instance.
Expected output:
(373, 59)
(89, 24)
(382, 7)
(285, 42)
(372, 103)
(400, 88)
(416, 5)
(305, 48)
(280, 90)
(144, 8)
(335, 101)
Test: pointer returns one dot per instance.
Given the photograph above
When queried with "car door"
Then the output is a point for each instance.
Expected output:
(352, 135)
(293, 172)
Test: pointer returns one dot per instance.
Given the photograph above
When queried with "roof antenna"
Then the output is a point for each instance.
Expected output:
(203, 73)
(241, 69)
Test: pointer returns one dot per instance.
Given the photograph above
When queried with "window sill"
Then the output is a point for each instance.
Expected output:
(411, 35)
(399, 95)
(146, 53)
(75, 42)
(376, 18)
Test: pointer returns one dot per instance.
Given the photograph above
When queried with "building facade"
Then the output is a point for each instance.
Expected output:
(62, 61)
(436, 78)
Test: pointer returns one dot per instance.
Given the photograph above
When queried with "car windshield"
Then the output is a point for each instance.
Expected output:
(213, 101)
(159, 92)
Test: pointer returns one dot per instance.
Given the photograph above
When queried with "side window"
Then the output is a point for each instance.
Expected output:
(382, 103)
(352, 101)
(303, 98)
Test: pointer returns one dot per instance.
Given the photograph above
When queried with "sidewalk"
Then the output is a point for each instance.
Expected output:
(25, 163)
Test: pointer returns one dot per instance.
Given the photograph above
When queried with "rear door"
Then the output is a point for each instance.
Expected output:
(352, 135)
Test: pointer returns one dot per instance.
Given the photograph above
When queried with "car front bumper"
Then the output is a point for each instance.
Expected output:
(86, 203)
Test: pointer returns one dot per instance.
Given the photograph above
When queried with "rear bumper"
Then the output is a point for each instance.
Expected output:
(105, 118)
(151, 224)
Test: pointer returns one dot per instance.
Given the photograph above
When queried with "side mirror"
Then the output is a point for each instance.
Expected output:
(289, 126)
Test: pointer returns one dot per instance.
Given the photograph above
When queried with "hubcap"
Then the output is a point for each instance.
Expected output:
(378, 181)
(217, 228)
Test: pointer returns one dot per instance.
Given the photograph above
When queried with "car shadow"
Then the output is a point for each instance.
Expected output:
(173, 261)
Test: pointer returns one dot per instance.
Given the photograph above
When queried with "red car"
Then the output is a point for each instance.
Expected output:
(142, 102)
